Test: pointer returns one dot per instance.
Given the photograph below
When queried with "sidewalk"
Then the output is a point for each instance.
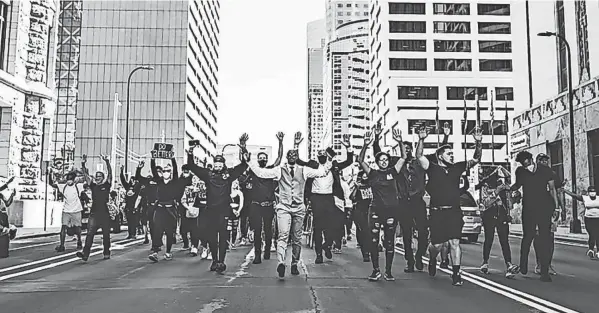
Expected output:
(27, 233)
(562, 233)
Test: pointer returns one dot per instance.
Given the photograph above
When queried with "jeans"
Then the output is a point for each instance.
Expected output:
(413, 216)
(530, 222)
(95, 222)
(164, 222)
(215, 220)
(290, 220)
(132, 221)
(551, 248)
(388, 224)
(188, 230)
(490, 224)
(260, 216)
(363, 235)
(323, 208)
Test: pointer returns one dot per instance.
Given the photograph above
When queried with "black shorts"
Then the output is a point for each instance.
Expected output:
(445, 225)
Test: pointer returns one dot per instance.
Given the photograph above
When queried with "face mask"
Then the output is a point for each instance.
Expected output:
(531, 167)
(262, 163)
(185, 174)
(166, 175)
(322, 159)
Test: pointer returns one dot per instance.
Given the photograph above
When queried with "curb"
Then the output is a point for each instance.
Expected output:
(42, 235)
(558, 238)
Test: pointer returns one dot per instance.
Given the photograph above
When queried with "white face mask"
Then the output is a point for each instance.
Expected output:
(592, 194)
(166, 175)
(531, 167)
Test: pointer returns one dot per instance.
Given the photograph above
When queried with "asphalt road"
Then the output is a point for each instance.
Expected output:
(37, 279)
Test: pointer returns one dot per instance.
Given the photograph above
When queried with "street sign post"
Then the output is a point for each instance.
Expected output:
(163, 151)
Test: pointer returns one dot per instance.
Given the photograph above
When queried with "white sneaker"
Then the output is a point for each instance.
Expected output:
(209, 256)
(552, 270)
(194, 251)
(168, 256)
(591, 254)
(484, 268)
(273, 247)
(204, 254)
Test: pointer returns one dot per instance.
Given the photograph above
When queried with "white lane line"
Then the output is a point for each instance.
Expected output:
(519, 296)
(61, 256)
(36, 245)
(214, 305)
(244, 266)
(52, 265)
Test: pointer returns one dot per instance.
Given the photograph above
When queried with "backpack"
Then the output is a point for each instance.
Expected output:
(76, 188)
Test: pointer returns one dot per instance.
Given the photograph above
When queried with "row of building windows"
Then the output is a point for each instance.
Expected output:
(450, 65)
(349, 5)
(453, 93)
(496, 127)
(499, 9)
(419, 45)
(355, 13)
(419, 27)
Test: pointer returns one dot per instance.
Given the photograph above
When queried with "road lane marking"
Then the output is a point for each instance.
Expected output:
(558, 241)
(214, 305)
(52, 265)
(244, 266)
(518, 296)
(36, 245)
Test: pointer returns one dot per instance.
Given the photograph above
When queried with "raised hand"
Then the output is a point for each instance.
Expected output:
(378, 130)
(243, 140)
(141, 164)
(397, 135)
(345, 142)
(280, 136)
(298, 138)
(423, 133)
(446, 129)
(84, 158)
(478, 134)
(367, 138)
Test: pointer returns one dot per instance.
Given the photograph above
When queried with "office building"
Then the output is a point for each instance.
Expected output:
(316, 34)
(339, 12)
(175, 102)
(543, 126)
(425, 55)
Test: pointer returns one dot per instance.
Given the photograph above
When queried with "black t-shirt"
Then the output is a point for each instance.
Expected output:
(534, 186)
(100, 196)
(384, 187)
(444, 184)
(363, 197)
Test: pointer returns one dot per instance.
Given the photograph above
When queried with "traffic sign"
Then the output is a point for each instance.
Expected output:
(163, 151)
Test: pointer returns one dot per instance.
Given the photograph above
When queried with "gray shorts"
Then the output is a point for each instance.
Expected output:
(71, 219)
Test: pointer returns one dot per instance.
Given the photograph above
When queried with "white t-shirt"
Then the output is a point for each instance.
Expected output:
(72, 204)
(591, 207)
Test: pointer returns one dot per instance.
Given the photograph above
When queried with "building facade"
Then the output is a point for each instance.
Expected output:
(174, 103)
(27, 102)
(339, 12)
(346, 89)
(316, 34)
(446, 59)
(544, 127)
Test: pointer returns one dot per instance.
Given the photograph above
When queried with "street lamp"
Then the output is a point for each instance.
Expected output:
(575, 226)
(148, 68)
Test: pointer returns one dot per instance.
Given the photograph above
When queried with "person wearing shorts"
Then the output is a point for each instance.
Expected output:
(71, 212)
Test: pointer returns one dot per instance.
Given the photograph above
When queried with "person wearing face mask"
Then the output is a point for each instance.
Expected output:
(262, 197)
(237, 207)
(169, 191)
(384, 209)
(99, 216)
(445, 212)
(362, 197)
(149, 185)
(539, 204)
(219, 181)
(591, 218)
(132, 189)
(185, 224)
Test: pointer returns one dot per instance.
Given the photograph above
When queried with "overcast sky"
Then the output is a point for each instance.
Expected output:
(262, 68)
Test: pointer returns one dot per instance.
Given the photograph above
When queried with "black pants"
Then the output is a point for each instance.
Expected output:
(261, 218)
(492, 224)
(132, 221)
(380, 219)
(530, 222)
(363, 235)
(413, 216)
(323, 209)
(244, 221)
(339, 228)
(551, 243)
(349, 220)
(216, 221)
(165, 222)
(233, 226)
(592, 227)
(189, 230)
(95, 222)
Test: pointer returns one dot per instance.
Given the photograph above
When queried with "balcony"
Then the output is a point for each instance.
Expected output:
(557, 106)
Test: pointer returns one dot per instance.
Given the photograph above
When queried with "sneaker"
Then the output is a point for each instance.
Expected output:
(146, 241)
(419, 264)
(273, 247)
(168, 256)
(281, 270)
(82, 256)
(79, 245)
(319, 259)
(380, 248)
(366, 258)
(344, 242)
(194, 251)
(484, 268)
(432, 267)
(591, 254)
(221, 267)
(349, 238)
(337, 251)
(294, 270)
(512, 270)
(328, 253)
(444, 264)
(74, 238)
(388, 276)
(213, 266)
(204, 254)
(375, 276)
(209, 258)
(59, 249)
(267, 254)
(538, 269)
(409, 268)
(107, 256)
(457, 280)
(552, 271)
(257, 259)
(546, 278)
(398, 242)
(153, 257)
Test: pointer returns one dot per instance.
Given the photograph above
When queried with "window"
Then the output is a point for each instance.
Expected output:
(339, 22)
(417, 92)
(407, 27)
(452, 27)
(348, 5)
(429, 124)
(365, 13)
(339, 5)
(499, 130)
(348, 13)
(407, 8)
(495, 46)
(407, 64)
(3, 32)
(459, 65)
(495, 65)
(556, 158)
(366, 6)
(494, 9)
(407, 45)
(504, 93)
(451, 8)
(458, 93)
(452, 46)
(339, 13)
(494, 28)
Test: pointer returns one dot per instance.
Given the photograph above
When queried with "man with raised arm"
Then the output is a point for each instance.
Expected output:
(445, 211)
(384, 209)
(219, 181)
(149, 186)
(98, 217)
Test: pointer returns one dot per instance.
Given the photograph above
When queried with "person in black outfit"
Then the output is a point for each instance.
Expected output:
(215, 218)
(362, 197)
(99, 216)
(132, 189)
(185, 224)
(384, 210)
(149, 185)
(245, 184)
(539, 204)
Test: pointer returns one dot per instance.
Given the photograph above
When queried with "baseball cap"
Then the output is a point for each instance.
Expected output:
(542, 156)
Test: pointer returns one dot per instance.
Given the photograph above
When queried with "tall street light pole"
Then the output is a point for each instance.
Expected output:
(148, 68)
(575, 225)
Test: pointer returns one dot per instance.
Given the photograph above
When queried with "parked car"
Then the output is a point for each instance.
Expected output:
(470, 214)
